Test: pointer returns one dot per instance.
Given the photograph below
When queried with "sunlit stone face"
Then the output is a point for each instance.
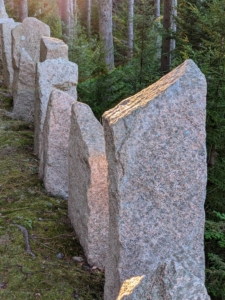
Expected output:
(155, 146)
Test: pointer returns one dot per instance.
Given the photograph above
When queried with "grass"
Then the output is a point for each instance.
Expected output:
(24, 201)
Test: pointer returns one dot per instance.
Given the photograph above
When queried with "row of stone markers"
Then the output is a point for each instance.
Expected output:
(136, 185)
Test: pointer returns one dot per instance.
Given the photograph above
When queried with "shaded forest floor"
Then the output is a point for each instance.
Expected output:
(24, 201)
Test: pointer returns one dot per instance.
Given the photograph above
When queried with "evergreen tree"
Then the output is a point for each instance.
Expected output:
(65, 9)
(23, 10)
(130, 34)
(105, 32)
(169, 25)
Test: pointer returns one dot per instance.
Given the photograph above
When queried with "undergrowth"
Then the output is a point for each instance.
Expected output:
(24, 201)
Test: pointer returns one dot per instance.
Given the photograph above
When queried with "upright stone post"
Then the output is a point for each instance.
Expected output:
(3, 21)
(88, 187)
(6, 43)
(52, 73)
(26, 38)
(54, 159)
(52, 48)
(24, 88)
(156, 151)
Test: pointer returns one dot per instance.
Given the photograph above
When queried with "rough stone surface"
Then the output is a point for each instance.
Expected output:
(3, 21)
(27, 36)
(25, 54)
(24, 89)
(52, 73)
(6, 40)
(3, 13)
(53, 48)
(155, 146)
(88, 188)
(169, 282)
(54, 161)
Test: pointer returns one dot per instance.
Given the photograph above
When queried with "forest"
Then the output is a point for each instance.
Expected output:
(122, 47)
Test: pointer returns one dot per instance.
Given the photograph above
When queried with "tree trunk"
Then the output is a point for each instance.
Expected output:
(105, 31)
(157, 9)
(71, 9)
(23, 10)
(173, 25)
(59, 7)
(72, 19)
(65, 16)
(157, 26)
(75, 11)
(168, 24)
(89, 18)
(130, 28)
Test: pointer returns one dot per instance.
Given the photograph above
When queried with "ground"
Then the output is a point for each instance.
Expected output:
(24, 201)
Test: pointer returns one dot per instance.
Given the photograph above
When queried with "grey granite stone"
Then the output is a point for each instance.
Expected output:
(52, 73)
(24, 89)
(6, 40)
(170, 281)
(26, 39)
(3, 13)
(27, 36)
(155, 147)
(88, 188)
(54, 161)
(3, 21)
(53, 48)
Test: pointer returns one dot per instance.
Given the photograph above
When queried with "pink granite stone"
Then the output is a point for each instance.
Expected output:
(24, 89)
(54, 161)
(52, 48)
(26, 40)
(155, 147)
(52, 73)
(170, 281)
(88, 187)
(6, 44)
(27, 36)
(3, 21)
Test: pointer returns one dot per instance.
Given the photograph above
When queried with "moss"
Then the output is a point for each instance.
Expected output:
(24, 201)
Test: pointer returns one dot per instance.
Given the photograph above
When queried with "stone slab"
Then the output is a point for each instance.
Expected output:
(170, 281)
(88, 187)
(156, 151)
(3, 21)
(26, 39)
(54, 161)
(24, 89)
(27, 36)
(52, 73)
(6, 40)
(52, 48)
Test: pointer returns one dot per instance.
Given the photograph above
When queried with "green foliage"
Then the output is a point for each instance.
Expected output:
(120, 21)
(104, 90)
(86, 53)
(201, 37)
(10, 9)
